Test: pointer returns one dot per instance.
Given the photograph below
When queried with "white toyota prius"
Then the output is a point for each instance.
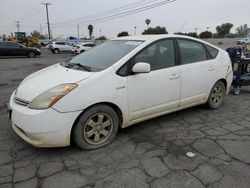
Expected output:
(117, 84)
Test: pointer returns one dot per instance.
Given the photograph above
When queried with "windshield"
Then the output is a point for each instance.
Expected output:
(106, 54)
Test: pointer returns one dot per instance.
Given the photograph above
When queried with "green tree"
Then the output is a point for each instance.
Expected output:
(224, 29)
(206, 35)
(90, 28)
(122, 34)
(243, 30)
(147, 21)
(155, 30)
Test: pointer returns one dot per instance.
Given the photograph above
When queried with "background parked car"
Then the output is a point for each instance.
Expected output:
(243, 41)
(79, 48)
(57, 47)
(16, 49)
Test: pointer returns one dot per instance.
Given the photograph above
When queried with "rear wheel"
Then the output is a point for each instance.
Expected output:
(96, 127)
(216, 95)
(31, 54)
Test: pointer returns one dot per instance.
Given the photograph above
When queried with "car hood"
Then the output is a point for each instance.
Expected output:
(47, 78)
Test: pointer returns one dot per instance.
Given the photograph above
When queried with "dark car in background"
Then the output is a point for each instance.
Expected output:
(16, 49)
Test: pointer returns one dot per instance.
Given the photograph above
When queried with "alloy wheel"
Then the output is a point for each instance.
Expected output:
(98, 128)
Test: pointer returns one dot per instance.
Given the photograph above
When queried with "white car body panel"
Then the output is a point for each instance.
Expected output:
(139, 97)
(160, 88)
(43, 80)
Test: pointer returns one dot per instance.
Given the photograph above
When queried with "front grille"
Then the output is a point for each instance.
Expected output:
(21, 101)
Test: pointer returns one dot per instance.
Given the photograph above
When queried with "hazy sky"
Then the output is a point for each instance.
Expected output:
(187, 13)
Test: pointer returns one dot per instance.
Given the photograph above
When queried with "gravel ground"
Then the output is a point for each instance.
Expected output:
(149, 154)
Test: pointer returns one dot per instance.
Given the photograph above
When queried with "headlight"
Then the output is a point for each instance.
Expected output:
(51, 96)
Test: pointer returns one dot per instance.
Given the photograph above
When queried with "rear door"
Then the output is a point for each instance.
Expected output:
(68, 47)
(198, 72)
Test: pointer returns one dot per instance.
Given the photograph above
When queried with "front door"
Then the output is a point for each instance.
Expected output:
(157, 92)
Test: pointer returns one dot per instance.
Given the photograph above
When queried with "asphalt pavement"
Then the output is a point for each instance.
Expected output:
(149, 154)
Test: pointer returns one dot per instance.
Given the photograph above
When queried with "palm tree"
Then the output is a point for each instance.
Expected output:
(147, 21)
(90, 28)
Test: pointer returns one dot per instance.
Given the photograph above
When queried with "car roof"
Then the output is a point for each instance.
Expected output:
(161, 36)
(150, 37)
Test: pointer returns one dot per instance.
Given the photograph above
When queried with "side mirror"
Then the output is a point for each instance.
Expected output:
(141, 67)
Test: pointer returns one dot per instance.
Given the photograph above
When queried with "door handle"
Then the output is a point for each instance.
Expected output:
(211, 68)
(174, 77)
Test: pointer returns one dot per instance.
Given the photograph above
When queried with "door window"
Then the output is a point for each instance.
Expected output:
(13, 45)
(159, 55)
(191, 51)
(60, 43)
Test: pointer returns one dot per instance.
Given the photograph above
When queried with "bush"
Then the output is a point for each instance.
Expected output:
(206, 35)
(155, 30)
(122, 34)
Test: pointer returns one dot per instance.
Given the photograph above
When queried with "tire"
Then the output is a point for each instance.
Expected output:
(216, 95)
(96, 127)
(56, 51)
(31, 54)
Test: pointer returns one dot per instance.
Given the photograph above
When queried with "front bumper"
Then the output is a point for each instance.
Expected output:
(42, 128)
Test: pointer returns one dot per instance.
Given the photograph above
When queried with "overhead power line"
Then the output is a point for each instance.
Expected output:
(100, 14)
(124, 13)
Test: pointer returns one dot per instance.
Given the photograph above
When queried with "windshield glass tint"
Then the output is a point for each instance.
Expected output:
(106, 54)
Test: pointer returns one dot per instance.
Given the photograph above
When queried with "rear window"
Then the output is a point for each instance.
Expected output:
(212, 51)
(191, 51)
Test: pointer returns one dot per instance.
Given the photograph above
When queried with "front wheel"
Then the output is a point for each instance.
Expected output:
(96, 127)
(31, 54)
(216, 95)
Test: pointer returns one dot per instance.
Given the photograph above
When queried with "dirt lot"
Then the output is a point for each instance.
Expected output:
(149, 154)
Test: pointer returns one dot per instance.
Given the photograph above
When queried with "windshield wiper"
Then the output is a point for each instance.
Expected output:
(87, 68)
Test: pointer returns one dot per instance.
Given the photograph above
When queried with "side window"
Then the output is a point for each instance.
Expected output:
(6, 45)
(191, 51)
(2, 44)
(212, 51)
(13, 45)
(159, 55)
(60, 43)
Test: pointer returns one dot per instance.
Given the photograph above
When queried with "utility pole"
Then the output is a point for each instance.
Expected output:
(47, 13)
(41, 31)
(100, 32)
(18, 25)
(134, 30)
(78, 31)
